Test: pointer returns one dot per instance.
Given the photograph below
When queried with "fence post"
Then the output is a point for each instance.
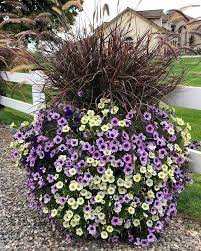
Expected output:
(37, 89)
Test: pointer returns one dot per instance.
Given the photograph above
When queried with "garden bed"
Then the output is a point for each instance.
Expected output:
(22, 228)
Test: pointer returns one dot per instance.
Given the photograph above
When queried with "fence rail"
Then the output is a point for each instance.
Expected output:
(35, 79)
(188, 97)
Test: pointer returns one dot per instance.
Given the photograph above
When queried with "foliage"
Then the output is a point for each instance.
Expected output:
(82, 69)
(35, 16)
(108, 175)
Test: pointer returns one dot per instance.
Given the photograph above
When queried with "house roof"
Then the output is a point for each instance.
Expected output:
(151, 14)
(106, 24)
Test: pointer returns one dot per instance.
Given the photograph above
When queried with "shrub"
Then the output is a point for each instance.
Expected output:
(105, 174)
(83, 69)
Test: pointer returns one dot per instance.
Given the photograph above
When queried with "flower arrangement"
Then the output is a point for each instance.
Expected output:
(106, 173)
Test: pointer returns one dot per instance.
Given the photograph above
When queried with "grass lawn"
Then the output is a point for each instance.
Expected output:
(192, 69)
(22, 93)
(189, 203)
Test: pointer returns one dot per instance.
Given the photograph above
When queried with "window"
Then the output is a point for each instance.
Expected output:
(173, 27)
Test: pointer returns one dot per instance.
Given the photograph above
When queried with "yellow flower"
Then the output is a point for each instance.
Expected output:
(90, 160)
(73, 223)
(104, 128)
(83, 192)
(143, 169)
(66, 128)
(71, 201)
(111, 190)
(72, 171)
(77, 217)
(180, 121)
(128, 184)
(75, 206)
(45, 210)
(114, 110)
(91, 113)
(104, 235)
(122, 123)
(98, 198)
(84, 119)
(171, 131)
(120, 182)
(149, 182)
(109, 172)
(162, 175)
(145, 206)
(101, 216)
(82, 128)
(107, 152)
(101, 105)
(59, 184)
(131, 210)
(68, 215)
(150, 194)
(95, 163)
(66, 224)
(149, 223)
(105, 112)
(136, 222)
(109, 229)
(110, 179)
(137, 177)
(54, 213)
(25, 123)
(12, 125)
(73, 186)
(79, 232)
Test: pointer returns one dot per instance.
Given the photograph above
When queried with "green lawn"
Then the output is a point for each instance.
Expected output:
(22, 93)
(189, 203)
(192, 68)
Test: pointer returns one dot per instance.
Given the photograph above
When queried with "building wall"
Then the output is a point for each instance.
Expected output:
(137, 25)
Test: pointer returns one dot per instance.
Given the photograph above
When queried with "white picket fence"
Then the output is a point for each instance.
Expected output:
(188, 97)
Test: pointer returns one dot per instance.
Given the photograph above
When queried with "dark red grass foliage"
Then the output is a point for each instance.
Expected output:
(132, 74)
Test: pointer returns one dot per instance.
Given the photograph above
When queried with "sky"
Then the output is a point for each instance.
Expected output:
(89, 7)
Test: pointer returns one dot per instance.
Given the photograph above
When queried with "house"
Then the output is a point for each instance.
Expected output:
(135, 22)
(157, 21)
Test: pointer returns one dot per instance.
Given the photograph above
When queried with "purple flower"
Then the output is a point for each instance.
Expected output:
(115, 122)
(127, 158)
(130, 115)
(126, 146)
(101, 169)
(46, 198)
(159, 225)
(92, 229)
(115, 239)
(116, 221)
(87, 209)
(74, 142)
(128, 170)
(50, 178)
(147, 116)
(62, 201)
(19, 136)
(69, 113)
(150, 129)
(86, 146)
(62, 122)
(57, 140)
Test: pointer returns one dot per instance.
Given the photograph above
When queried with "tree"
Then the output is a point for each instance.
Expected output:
(29, 18)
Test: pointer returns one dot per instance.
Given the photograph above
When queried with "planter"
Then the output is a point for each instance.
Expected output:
(105, 174)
